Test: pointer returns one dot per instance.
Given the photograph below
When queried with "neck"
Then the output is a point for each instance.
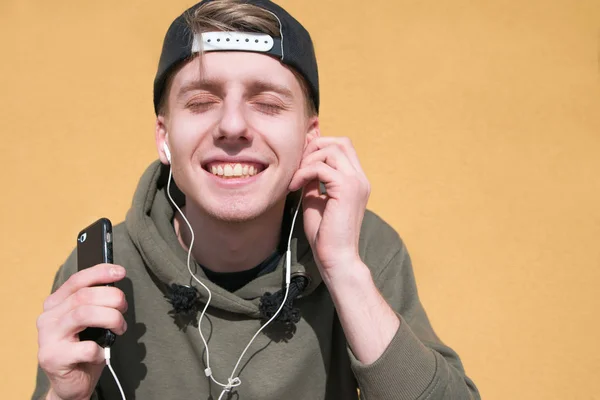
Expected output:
(223, 246)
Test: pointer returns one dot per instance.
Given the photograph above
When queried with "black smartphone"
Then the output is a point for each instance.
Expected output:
(94, 246)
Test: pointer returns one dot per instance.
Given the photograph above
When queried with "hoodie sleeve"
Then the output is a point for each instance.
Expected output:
(416, 364)
(42, 384)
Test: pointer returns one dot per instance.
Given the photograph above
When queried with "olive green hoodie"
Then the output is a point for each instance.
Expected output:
(162, 357)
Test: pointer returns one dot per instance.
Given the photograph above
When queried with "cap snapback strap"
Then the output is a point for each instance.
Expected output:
(237, 41)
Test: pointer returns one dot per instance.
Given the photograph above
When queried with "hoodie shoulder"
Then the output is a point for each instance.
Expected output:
(125, 251)
(121, 237)
(378, 243)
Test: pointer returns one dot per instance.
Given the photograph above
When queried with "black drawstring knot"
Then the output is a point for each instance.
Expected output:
(186, 304)
(184, 299)
(270, 303)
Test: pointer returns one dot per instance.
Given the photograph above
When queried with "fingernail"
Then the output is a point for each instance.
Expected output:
(124, 326)
(117, 272)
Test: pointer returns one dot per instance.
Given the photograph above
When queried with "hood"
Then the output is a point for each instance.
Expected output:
(149, 224)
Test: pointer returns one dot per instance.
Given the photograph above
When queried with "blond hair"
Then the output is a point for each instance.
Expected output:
(234, 15)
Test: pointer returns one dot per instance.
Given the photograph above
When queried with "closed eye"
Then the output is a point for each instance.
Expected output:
(269, 108)
(199, 106)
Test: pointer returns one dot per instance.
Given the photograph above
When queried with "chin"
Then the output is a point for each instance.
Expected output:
(237, 210)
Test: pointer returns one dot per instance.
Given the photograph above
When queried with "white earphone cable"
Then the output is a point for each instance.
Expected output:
(232, 382)
(208, 371)
(112, 371)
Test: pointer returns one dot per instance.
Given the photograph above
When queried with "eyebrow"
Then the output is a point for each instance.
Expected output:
(198, 84)
(254, 87)
(260, 86)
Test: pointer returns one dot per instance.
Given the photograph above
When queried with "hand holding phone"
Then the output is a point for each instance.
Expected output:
(88, 298)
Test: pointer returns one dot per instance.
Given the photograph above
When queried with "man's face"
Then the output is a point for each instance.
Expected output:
(236, 131)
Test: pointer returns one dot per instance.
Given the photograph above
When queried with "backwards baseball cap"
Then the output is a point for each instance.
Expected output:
(294, 48)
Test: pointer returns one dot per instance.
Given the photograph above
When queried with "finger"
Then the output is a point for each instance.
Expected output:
(86, 352)
(53, 358)
(96, 275)
(331, 155)
(91, 316)
(103, 296)
(313, 172)
(344, 143)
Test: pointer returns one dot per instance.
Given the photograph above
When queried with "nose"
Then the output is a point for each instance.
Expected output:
(233, 126)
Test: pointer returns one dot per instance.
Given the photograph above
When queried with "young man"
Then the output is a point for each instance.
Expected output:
(311, 307)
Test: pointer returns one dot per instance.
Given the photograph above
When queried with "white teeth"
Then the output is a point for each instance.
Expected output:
(237, 170)
(234, 170)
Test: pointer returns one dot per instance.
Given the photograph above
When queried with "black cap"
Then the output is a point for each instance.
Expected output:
(295, 48)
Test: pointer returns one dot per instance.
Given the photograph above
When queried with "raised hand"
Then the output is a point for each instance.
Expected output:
(332, 222)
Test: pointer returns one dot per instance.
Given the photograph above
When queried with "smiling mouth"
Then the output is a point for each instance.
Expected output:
(234, 170)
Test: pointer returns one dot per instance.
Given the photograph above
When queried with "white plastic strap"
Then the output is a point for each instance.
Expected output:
(226, 41)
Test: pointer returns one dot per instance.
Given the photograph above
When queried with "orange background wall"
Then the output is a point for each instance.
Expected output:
(477, 122)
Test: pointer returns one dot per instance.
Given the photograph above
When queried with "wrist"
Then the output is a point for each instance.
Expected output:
(351, 275)
(368, 321)
(53, 396)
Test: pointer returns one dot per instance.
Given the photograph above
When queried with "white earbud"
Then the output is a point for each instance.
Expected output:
(167, 152)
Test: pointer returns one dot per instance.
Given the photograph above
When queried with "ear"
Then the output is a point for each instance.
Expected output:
(313, 130)
(161, 136)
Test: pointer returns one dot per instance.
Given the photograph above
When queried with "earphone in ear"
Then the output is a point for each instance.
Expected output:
(167, 152)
